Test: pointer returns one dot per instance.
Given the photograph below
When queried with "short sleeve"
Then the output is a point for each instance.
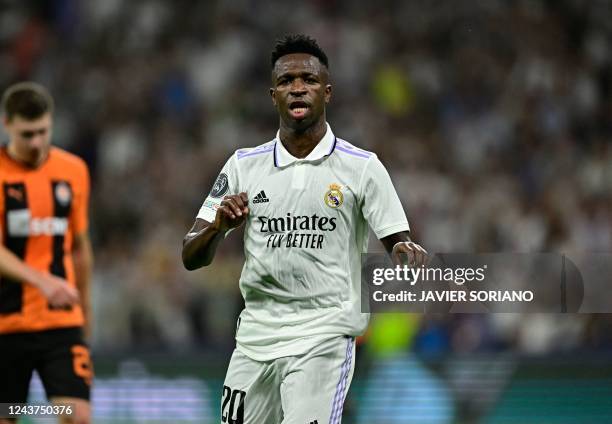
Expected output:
(381, 205)
(80, 209)
(225, 184)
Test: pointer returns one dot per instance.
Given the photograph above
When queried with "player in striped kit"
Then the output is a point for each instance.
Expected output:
(45, 258)
(307, 199)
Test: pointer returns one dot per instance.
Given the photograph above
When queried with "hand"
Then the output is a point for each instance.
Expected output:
(417, 256)
(232, 212)
(58, 292)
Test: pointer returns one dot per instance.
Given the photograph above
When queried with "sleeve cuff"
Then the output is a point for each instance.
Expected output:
(391, 229)
(207, 215)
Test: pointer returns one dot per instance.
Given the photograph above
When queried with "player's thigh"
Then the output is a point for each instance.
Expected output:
(17, 359)
(250, 392)
(65, 367)
(315, 387)
(77, 411)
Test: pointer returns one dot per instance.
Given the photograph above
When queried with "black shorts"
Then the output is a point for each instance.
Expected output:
(60, 357)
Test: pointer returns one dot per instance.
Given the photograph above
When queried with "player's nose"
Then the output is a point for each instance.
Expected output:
(298, 87)
(38, 141)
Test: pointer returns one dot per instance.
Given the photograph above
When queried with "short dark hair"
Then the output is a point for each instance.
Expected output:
(29, 100)
(298, 43)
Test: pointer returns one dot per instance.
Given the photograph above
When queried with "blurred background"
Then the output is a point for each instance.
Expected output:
(494, 119)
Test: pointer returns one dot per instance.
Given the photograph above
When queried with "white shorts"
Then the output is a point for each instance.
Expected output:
(305, 389)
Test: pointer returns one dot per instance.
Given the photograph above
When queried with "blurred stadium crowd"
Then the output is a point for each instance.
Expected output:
(494, 119)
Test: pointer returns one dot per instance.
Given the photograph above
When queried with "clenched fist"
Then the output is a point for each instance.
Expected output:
(414, 253)
(232, 212)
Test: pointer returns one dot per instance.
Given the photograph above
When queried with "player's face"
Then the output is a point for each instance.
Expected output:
(29, 140)
(300, 89)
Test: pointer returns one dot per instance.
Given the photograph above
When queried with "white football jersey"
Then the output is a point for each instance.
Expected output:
(304, 236)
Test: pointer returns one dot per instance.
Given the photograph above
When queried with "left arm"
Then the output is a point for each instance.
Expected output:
(378, 190)
(82, 255)
(399, 244)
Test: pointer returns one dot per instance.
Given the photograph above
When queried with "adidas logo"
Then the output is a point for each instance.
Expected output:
(261, 197)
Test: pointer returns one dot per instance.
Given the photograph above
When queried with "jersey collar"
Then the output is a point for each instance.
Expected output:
(325, 147)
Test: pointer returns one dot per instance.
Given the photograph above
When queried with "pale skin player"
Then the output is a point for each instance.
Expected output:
(29, 143)
(300, 93)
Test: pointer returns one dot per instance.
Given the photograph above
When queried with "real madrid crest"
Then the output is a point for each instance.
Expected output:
(63, 194)
(334, 197)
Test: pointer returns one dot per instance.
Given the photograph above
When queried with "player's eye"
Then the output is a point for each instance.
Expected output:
(31, 134)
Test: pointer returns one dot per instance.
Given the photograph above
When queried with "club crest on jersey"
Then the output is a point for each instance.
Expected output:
(63, 193)
(334, 197)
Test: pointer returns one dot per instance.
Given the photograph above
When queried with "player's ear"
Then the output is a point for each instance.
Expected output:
(328, 92)
(273, 95)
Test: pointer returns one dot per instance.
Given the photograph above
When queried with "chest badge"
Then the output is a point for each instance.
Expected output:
(334, 197)
(63, 193)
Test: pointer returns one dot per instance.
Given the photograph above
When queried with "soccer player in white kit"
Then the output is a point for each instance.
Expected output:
(306, 198)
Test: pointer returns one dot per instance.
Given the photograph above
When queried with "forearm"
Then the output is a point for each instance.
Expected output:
(400, 246)
(200, 243)
(199, 247)
(14, 268)
(58, 293)
(393, 239)
(84, 287)
(83, 265)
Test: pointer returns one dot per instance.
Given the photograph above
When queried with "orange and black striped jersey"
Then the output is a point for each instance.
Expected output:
(41, 210)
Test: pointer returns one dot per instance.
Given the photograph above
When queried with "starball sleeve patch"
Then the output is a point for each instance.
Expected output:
(221, 186)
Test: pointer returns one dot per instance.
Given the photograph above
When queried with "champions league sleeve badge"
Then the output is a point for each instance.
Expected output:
(334, 197)
(221, 186)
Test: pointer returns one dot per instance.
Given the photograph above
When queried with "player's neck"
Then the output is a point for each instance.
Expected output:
(301, 142)
(15, 157)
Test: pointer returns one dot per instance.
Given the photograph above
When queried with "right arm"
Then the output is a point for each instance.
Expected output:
(200, 243)
(56, 290)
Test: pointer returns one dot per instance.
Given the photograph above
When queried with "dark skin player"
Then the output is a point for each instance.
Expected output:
(300, 92)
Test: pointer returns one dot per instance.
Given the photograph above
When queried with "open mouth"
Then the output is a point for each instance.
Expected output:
(298, 109)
